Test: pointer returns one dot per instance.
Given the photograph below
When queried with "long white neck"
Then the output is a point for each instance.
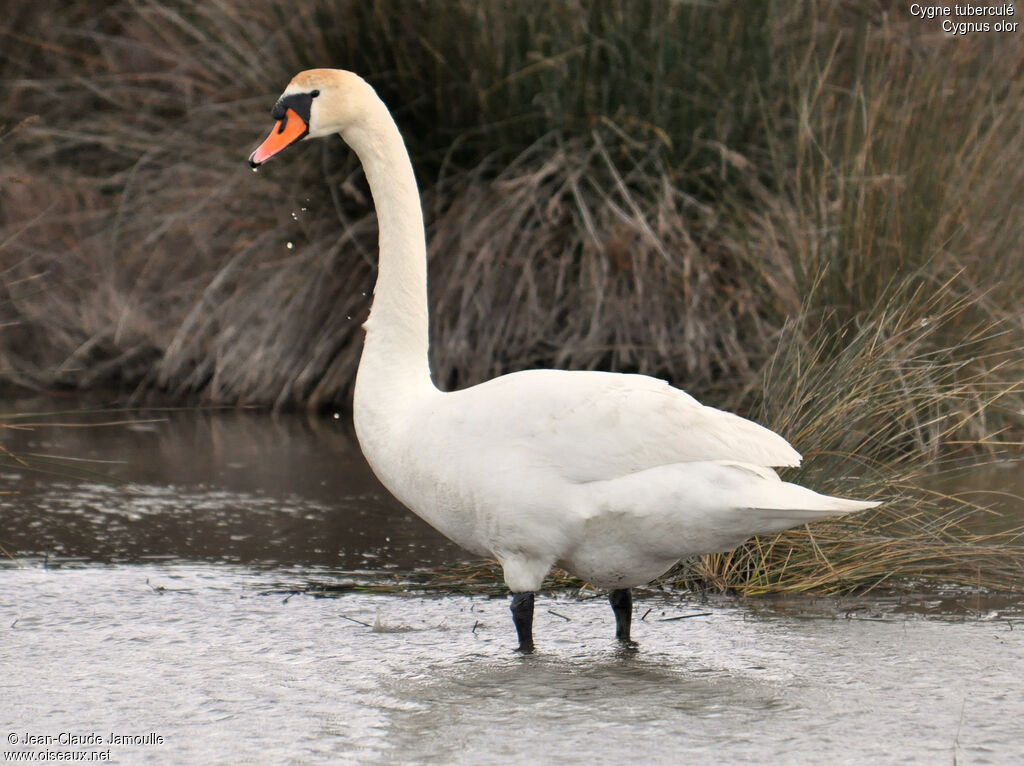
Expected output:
(394, 368)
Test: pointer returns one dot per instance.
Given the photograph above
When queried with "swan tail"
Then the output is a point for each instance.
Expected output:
(799, 511)
(707, 507)
(801, 500)
(779, 505)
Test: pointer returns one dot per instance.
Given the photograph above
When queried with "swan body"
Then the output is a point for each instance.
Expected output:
(612, 477)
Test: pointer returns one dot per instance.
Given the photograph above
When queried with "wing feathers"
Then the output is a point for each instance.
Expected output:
(591, 426)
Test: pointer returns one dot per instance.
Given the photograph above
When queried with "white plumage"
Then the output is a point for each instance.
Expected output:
(612, 477)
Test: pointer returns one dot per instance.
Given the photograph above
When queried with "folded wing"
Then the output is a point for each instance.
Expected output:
(594, 426)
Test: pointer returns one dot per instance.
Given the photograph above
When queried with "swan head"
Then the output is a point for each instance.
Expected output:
(316, 103)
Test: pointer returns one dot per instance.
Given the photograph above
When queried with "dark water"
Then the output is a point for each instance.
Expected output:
(148, 594)
(222, 487)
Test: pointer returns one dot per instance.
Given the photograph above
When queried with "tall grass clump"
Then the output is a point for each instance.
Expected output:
(808, 213)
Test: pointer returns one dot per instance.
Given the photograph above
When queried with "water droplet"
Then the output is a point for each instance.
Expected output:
(304, 209)
(295, 216)
(255, 170)
(349, 316)
(337, 416)
(289, 245)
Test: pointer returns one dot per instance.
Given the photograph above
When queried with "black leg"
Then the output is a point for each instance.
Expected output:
(522, 616)
(622, 605)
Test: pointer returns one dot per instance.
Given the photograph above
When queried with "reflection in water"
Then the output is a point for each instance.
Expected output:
(226, 675)
(239, 487)
(582, 704)
(161, 599)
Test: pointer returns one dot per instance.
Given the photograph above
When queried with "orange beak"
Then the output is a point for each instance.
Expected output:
(285, 133)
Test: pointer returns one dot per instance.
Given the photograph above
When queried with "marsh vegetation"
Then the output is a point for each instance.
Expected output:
(806, 213)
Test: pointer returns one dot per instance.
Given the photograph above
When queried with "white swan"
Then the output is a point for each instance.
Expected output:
(612, 477)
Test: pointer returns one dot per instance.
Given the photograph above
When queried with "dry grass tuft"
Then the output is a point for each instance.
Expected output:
(809, 213)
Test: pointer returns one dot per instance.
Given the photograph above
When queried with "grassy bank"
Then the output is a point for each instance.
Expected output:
(808, 213)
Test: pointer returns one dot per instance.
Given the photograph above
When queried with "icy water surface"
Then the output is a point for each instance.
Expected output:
(199, 656)
(169, 612)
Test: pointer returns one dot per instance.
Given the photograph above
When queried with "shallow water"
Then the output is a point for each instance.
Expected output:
(173, 607)
(234, 487)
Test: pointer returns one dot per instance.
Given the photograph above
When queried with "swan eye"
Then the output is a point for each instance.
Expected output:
(315, 93)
